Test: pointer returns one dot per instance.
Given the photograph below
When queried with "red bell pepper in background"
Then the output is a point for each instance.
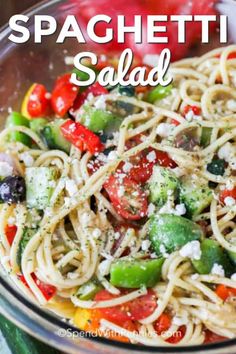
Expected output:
(63, 95)
(84, 12)
(81, 137)
(38, 104)
(47, 290)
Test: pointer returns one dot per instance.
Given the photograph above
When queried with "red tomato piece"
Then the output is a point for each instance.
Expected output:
(10, 231)
(47, 290)
(177, 336)
(211, 337)
(227, 193)
(162, 324)
(163, 159)
(38, 104)
(127, 197)
(81, 137)
(117, 314)
(224, 291)
(96, 90)
(143, 306)
(134, 310)
(63, 95)
(196, 110)
(144, 162)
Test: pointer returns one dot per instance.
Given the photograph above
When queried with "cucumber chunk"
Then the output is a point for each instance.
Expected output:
(88, 290)
(39, 186)
(212, 253)
(161, 182)
(172, 231)
(195, 196)
(53, 136)
(37, 124)
(206, 136)
(96, 120)
(136, 273)
(232, 256)
(27, 234)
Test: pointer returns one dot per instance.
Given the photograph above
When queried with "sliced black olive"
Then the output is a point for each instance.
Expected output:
(127, 90)
(12, 189)
(216, 167)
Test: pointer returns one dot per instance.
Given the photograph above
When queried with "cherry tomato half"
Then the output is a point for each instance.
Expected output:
(127, 197)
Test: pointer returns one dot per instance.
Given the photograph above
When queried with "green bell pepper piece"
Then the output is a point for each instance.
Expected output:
(136, 273)
(158, 93)
(16, 119)
(212, 253)
(172, 231)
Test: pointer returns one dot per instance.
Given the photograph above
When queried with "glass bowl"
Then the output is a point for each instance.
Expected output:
(20, 65)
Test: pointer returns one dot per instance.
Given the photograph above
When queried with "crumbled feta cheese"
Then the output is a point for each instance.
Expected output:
(116, 235)
(191, 250)
(180, 320)
(72, 275)
(67, 201)
(233, 277)
(163, 251)
(85, 218)
(11, 220)
(151, 209)
(194, 276)
(229, 201)
(112, 156)
(180, 209)
(104, 267)
(90, 97)
(121, 191)
(217, 269)
(71, 187)
(96, 233)
(232, 162)
(189, 116)
(164, 130)
(48, 95)
(229, 185)
(27, 159)
(100, 103)
(145, 245)
(226, 151)
(151, 156)
(231, 105)
(5, 169)
(127, 167)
